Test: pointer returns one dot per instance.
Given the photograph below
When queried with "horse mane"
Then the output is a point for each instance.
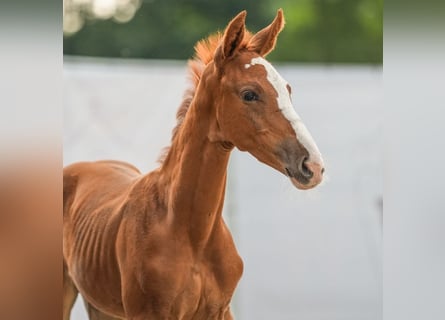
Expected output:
(204, 53)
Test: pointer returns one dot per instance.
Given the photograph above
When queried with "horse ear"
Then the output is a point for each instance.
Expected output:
(233, 36)
(264, 41)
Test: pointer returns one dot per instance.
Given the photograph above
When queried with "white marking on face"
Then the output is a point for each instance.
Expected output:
(285, 105)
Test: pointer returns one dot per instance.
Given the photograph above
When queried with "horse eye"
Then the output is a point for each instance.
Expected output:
(249, 95)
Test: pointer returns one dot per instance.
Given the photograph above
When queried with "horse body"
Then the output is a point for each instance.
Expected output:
(91, 228)
(124, 247)
(155, 246)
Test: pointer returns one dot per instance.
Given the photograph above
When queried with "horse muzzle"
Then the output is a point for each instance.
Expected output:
(305, 174)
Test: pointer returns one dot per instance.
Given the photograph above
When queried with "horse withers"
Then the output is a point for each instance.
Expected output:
(155, 246)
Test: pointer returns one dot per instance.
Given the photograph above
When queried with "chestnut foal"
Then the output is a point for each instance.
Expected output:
(155, 246)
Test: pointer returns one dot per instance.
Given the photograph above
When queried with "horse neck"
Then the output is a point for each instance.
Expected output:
(196, 171)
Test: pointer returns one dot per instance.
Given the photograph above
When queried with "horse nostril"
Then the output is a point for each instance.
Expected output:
(304, 170)
(289, 174)
(322, 170)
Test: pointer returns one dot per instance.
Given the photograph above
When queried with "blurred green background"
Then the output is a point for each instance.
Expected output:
(319, 31)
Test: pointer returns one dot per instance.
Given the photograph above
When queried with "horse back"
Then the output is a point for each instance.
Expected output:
(101, 178)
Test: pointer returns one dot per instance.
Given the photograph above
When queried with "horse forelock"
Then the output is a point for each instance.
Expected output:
(204, 53)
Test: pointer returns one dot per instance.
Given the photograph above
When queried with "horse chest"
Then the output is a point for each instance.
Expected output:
(188, 286)
(208, 287)
(214, 275)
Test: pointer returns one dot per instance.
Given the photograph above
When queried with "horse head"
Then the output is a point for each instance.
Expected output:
(254, 110)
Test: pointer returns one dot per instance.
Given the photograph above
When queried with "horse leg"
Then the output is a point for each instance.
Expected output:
(69, 293)
(94, 314)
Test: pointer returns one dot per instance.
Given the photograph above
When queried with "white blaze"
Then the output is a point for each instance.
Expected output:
(288, 111)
